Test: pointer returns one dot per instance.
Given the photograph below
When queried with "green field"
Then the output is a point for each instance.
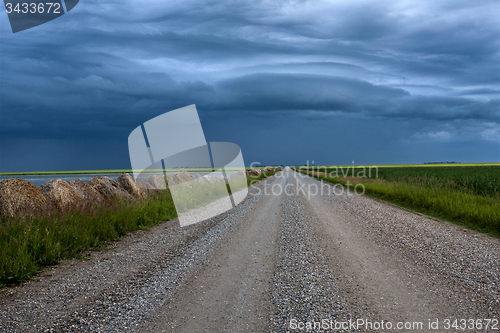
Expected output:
(425, 165)
(466, 195)
(73, 172)
(481, 180)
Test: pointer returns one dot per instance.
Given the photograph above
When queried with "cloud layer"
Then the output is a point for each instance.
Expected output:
(427, 73)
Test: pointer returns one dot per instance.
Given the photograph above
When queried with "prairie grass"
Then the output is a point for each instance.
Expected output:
(28, 246)
(481, 180)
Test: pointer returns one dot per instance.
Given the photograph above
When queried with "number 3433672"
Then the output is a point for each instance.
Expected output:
(34, 8)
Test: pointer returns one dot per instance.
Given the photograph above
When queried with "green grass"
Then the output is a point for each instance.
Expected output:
(480, 180)
(467, 197)
(28, 246)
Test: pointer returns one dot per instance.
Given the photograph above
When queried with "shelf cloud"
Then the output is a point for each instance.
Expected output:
(426, 75)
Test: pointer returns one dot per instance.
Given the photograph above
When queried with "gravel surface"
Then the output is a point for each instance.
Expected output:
(304, 286)
(275, 261)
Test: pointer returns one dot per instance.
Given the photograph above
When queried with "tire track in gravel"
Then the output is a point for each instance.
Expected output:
(304, 286)
(230, 293)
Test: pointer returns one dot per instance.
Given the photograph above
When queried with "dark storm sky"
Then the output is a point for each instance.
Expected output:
(289, 81)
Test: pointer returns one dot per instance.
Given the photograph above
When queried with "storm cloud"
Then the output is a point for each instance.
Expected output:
(384, 82)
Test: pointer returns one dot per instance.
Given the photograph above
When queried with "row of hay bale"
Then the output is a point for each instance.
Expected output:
(258, 172)
(20, 198)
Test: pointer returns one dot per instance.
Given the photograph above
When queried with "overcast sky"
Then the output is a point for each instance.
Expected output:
(289, 81)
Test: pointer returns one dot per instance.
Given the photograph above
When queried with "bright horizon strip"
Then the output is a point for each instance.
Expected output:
(249, 168)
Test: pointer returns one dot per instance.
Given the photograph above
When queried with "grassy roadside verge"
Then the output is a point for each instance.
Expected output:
(481, 213)
(28, 246)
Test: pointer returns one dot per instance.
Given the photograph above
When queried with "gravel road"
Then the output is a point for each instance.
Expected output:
(294, 253)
